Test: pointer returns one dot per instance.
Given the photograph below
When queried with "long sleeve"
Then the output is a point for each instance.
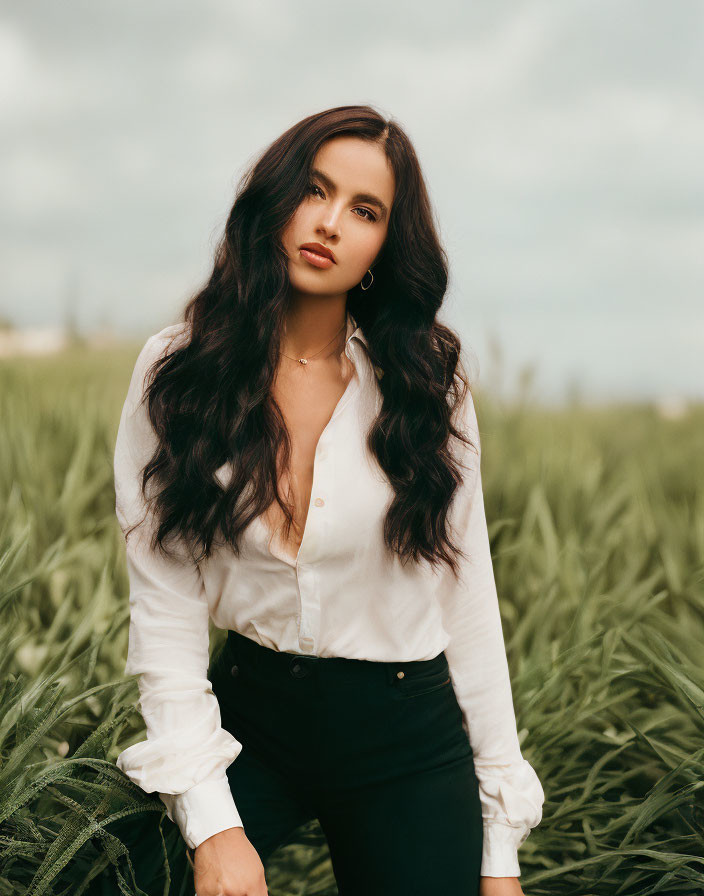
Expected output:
(186, 752)
(511, 793)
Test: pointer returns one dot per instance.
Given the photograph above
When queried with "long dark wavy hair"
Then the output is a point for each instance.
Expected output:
(209, 399)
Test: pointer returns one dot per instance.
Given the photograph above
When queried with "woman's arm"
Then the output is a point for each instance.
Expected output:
(186, 752)
(510, 791)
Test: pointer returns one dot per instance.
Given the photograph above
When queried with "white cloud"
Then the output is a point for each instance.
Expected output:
(15, 67)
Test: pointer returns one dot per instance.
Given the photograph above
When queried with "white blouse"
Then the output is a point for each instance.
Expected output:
(341, 595)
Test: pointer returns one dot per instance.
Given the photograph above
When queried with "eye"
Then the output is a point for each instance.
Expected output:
(372, 216)
(368, 214)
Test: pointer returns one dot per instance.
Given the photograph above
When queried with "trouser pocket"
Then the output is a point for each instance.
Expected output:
(424, 677)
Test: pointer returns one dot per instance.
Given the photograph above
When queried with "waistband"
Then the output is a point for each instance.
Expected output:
(271, 663)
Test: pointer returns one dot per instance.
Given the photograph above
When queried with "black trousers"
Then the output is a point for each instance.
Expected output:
(375, 751)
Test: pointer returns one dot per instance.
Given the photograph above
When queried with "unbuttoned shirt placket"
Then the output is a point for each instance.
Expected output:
(317, 528)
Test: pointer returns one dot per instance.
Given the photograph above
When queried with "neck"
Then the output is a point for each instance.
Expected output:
(313, 327)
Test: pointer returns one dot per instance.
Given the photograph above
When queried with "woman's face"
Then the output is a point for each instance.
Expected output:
(347, 211)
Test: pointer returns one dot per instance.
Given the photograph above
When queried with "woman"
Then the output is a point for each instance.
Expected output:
(316, 451)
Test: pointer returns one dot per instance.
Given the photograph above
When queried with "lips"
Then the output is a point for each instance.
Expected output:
(319, 249)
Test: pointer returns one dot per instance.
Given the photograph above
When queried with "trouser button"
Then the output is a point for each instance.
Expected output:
(298, 670)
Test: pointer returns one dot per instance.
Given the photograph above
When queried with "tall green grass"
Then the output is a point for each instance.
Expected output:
(597, 530)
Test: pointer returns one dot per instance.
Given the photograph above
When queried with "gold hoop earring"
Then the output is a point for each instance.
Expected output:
(370, 282)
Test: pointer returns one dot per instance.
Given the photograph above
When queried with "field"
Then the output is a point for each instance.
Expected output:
(596, 519)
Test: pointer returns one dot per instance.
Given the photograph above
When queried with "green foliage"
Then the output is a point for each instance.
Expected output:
(597, 530)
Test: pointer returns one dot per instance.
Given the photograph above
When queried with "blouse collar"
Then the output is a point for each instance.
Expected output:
(354, 331)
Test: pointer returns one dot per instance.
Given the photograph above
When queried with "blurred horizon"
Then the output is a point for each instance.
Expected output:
(561, 146)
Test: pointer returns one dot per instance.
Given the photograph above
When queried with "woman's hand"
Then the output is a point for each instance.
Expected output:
(227, 864)
(498, 886)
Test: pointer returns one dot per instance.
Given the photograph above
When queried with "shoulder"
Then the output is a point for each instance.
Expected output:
(172, 337)
(136, 438)
(157, 346)
(465, 420)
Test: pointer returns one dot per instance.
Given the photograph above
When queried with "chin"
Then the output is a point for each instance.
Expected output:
(313, 283)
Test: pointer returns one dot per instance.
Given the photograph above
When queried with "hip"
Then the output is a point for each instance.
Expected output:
(345, 719)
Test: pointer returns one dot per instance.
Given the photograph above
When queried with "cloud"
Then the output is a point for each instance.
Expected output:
(561, 144)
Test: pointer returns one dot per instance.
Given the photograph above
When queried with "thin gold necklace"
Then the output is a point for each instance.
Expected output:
(305, 360)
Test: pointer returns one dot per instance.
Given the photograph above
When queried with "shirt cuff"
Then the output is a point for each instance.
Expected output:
(203, 810)
(500, 850)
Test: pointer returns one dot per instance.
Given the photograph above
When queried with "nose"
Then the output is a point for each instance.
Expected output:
(329, 223)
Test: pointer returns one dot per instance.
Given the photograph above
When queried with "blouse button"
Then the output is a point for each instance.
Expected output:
(400, 674)
(319, 502)
(234, 671)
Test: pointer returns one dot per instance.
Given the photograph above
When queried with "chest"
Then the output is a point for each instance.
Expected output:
(307, 400)
(339, 493)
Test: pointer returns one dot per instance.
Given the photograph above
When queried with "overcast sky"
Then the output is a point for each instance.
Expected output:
(562, 143)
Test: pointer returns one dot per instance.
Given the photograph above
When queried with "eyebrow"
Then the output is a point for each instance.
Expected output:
(359, 197)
